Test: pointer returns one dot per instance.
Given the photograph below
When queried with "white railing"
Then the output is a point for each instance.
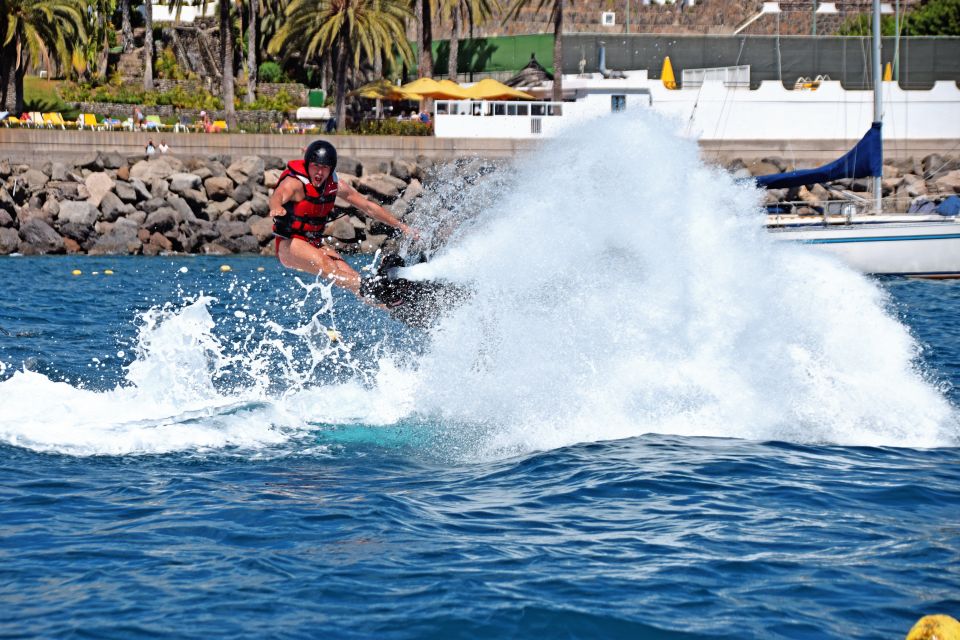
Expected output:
(738, 76)
(488, 108)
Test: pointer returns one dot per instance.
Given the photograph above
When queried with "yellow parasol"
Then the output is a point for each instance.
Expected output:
(382, 89)
(490, 89)
(430, 88)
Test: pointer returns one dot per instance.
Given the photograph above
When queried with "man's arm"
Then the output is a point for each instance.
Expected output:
(285, 191)
(372, 209)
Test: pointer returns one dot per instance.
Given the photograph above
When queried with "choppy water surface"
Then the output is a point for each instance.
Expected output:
(648, 421)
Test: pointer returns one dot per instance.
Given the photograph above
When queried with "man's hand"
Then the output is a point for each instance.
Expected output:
(278, 211)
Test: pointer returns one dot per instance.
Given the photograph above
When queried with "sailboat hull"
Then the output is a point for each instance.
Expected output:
(928, 249)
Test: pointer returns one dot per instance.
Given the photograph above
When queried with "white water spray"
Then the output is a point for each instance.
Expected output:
(624, 287)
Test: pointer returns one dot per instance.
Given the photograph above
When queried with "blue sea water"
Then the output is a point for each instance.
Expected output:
(649, 420)
(397, 530)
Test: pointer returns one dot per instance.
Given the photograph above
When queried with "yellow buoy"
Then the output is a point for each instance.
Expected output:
(224, 268)
(939, 626)
(76, 272)
(259, 268)
(666, 74)
(888, 73)
(108, 272)
(333, 334)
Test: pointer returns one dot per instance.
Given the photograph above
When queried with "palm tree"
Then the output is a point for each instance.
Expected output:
(32, 30)
(424, 16)
(147, 45)
(252, 47)
(556, 16)
(345, 29)
(226, 63)
(476, 12)
(126, 29)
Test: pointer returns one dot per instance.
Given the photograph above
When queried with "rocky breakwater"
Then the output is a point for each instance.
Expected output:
(107, 203)
(911, 185)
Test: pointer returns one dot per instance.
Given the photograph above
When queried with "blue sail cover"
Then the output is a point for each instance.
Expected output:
(865, 159)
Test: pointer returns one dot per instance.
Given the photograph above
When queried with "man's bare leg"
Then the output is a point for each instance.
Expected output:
(323, 261)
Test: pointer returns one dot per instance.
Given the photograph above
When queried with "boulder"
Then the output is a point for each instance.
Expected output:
(948, 183)
(58, 171)
(349, 165)
(34, 180)
(90, 160)
(217, 208)
(157, 243)
(183, 209)
(39, 237)
(120, 240)
(4, 168)
(214, 249)
(763, 168)
(183, 182)
(160, 188)
(271, 177)
(382, 185)
(372, 243)
(203, 172)
(142, 192)
(6, 220)
(98, 185)
(246, 169)
(161, 220)
(78, 212)
(259, 204)
(242, 212)
(403, 170)
(241, 244)
(414, 190)
(915, 185)
(151, 205)
(125, 191)
(341, 229)
(9, 240)
(218, 187)
(32, 213)
(112, 207)
(112, 160)
(123, 173)
(195, 198)
(76, 231)
(151, 170)
(228, 229)
(242, 193)
(261, 228)
(274, 162)
(51, 207)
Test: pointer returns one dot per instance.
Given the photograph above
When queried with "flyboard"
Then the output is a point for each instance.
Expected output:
(418, 303)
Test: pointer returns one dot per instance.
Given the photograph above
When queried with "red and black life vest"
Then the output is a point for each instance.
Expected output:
(307, 218)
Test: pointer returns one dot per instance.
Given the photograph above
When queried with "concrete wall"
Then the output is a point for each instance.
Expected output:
(39, 146)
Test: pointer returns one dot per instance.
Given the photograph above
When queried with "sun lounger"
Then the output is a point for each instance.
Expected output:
(54, 120)
(154, 123)
(89, 121)
(3, 118)
(36, 120)
(220, 125)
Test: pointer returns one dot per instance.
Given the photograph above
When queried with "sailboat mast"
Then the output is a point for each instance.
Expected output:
(877, 99)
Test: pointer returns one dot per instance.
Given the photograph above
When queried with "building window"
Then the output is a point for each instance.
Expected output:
(618, 103)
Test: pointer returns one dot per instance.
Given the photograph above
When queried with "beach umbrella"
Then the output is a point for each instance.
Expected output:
(490, 89)
(430, 88)
(382, 89)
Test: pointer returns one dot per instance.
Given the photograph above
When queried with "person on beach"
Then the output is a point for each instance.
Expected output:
(138, 118)
(164, 147)
(150, 149)
(301, 206)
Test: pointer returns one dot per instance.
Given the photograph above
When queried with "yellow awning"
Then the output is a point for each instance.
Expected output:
(430, 88)
(490, 89)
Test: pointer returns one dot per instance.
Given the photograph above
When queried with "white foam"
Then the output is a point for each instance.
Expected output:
(623, 288)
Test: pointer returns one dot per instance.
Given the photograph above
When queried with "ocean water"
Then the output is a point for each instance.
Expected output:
(649, 420)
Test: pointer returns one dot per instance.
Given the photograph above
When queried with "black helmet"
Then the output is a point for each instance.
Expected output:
(321, 152)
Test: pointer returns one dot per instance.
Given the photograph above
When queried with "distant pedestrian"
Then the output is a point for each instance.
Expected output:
(150, 149)
(163, 146)
(138, 118)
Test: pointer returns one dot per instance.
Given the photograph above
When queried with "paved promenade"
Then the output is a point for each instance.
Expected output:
(39, 145)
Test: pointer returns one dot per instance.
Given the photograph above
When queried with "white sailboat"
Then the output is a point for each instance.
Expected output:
(870, 241)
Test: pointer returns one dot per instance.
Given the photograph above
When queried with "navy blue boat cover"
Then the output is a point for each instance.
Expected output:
(865, 159)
